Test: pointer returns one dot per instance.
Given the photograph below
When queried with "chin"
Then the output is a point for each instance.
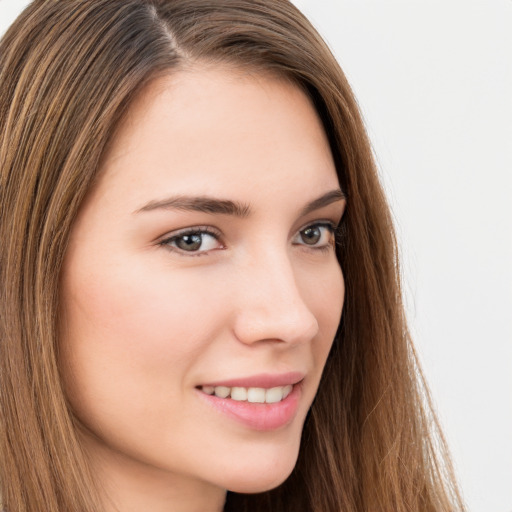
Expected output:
(263, 477)
(259, 485)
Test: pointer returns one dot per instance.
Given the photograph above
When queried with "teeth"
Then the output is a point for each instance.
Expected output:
(274, 395)
(252, 395)
(239, 394)
(256, 395)
(209, 390)
(222, 391)
(287, 390)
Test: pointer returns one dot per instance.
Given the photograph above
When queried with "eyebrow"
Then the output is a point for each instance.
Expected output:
(212, 205)
(325, 200)
(202, 204)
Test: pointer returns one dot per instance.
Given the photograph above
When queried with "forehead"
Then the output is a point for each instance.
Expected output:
(213, 130)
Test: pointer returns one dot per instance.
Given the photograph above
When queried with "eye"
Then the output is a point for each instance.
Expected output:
(194, 241)
(316, 236)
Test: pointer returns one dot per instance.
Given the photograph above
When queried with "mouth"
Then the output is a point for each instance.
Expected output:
(262, 403)
(252, 395)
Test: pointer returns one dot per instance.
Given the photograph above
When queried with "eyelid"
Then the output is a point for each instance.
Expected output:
(320, 222)
(192, 229)
(332, 226)
(166, 240)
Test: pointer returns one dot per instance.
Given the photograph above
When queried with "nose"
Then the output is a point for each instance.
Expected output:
(270, 304)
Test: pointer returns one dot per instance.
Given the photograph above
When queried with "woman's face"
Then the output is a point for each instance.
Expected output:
(202, 262)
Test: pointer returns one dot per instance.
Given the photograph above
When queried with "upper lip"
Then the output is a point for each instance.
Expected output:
(263, 380)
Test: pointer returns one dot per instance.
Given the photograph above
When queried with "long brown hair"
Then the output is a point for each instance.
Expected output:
(69, 69)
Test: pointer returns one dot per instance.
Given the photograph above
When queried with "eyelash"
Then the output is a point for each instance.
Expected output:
(202, 230)
(199, 230)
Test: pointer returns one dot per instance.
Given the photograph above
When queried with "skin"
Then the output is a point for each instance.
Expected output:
(143, 323)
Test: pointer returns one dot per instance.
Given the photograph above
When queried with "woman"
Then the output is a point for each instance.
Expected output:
(188, 207)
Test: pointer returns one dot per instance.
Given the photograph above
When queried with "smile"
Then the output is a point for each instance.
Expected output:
(252, 395)
(261, 403)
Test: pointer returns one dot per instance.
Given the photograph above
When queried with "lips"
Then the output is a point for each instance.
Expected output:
(252, 394)
(260, 402)
(263, 380)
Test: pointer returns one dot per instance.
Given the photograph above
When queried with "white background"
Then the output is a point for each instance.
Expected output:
(434, 82)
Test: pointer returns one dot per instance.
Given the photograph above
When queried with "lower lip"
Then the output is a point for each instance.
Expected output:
(257, 416)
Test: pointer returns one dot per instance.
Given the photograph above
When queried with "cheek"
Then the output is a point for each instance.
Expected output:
(322, 288)
(129, 333)
(132, 310)
(327, 302)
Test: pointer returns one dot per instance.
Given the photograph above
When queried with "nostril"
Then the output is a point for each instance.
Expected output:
(271, 305)
(279, 325)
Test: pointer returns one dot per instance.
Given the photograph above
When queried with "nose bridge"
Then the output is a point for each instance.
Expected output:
(271, 305)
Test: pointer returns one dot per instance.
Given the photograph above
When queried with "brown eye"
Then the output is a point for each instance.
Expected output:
(316, 236)
(193, 242)
(311, 235)
(189, 242)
